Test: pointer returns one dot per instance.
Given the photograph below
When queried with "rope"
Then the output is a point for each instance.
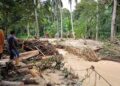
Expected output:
(101, 76)
(95, 83)
(96, 73)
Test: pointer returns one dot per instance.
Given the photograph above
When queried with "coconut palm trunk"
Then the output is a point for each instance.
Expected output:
(56, 15)
(36, 20)
(61, 23)
(73, 33)
(60, 5)
(97, 29)
(71, 17)
(113, 21)
(28, 29)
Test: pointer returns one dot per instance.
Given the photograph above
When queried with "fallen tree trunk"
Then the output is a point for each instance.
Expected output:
(23, 56)
(45, 62)
(10, 83)
(35, 73)
(3, 61)
(34, 64)
(28, 54)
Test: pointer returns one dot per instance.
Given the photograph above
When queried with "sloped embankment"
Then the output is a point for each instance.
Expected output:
(85, 49)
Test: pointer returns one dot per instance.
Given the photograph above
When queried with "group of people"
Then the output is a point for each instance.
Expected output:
(12, 44)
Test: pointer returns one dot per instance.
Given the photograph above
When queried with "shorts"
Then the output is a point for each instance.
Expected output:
(0, 55)
(14, 54)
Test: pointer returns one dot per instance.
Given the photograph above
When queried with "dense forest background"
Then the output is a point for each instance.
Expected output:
(91, 19)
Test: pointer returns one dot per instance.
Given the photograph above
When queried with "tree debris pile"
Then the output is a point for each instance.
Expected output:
(47, 72)
(44, 46)
(54, 62)
(28, 72)
(40, 56)
(85, 53)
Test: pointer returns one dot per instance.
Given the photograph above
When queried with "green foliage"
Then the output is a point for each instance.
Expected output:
(85, 18)
(105, 21)
(17, 14)
(51, 30)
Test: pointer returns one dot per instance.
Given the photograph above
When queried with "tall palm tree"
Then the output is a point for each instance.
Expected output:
(97, 22)
(54, 4)
(61, 13)
(57, 6)
(71, 17)
(28, 29)
(36, 20)
(113, 20)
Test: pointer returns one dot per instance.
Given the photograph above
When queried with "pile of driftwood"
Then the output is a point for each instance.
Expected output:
(44, 47)
(28, 72)
(38, 56)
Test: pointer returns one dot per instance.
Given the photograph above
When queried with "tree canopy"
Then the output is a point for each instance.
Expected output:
(89, 17)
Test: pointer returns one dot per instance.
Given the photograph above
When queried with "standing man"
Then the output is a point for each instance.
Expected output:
(12, 47)
(1, 42)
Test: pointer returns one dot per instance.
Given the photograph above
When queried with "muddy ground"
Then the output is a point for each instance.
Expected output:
(102, 68)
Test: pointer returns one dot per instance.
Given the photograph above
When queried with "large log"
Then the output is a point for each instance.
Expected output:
(3, 61)
(28, 54)
(23, 56)
(35, 73)
(10, 83)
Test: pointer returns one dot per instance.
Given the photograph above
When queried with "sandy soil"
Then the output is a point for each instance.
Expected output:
(82, 43)
(108, 69)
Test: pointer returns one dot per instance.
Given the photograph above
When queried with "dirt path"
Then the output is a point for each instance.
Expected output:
(108, 69)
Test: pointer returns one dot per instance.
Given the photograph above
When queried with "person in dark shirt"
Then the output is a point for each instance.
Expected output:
(12, 47)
